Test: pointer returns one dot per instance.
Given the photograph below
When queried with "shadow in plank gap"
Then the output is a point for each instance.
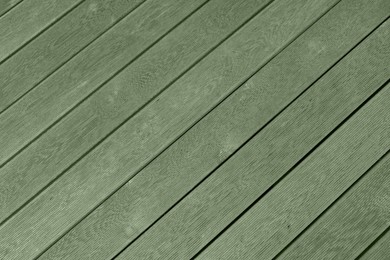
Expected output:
(148, 133)
(255, 168)
(46, 104)
(349, 226)
(7, 6)
(311, 187)
(138, 204)
(380, 249)
(30, 18)
(61, 42)
(94, 120)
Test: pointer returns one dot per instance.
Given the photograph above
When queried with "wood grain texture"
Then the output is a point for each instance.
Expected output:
(312, 186)
(254, 168)
(349, 226)
(29, 18)
(380, 250)
(7, 5)
(309, 189)
(79, 77)
(91, 180)
(155, 189)
(59, 43)
(45, 159)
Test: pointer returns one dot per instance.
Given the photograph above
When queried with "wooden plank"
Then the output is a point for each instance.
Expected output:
(31, 17)
(114, 161)
(155, 189)
(208, 209)
(380, 250)
(299, 198)
(7, 5)
(58, 44)
(81, 76)
(352, 223)
(41, 162)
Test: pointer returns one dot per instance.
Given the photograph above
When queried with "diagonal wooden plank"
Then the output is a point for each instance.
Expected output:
(142, 138)
(222, 197)
(312, 186)
(59, 148)
(7, 5)
(139, 203)
(30, 18)
(352, 223)
(380, 250)
(81, 76)
(35, 62)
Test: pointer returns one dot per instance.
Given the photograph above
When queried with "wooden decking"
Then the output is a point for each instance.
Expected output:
(194, 129)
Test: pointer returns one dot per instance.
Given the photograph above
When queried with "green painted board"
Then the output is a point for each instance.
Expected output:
(380, 250)
(28, 19)
(93, 178)
(59, 43)
(349, 226)
(7, 5)
(57, 149)
(312, 186)
(79, 77)
(207, 210)
(155, 189)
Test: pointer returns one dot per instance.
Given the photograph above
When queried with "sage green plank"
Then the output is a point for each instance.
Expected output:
(31, 17)
(311, 187)
(349, 226)
(45, 159)
(7, 5)
(60, 42)
(69, 85)
(138, 204)
(194, 222)
(380, 250)
(93, 178)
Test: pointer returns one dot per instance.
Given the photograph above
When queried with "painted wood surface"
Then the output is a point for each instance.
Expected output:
(380, 250)
(49, 51)
(211, 129)
(7, 5)
(97, 117)
(311, 187)
(260, 163)
(31, 17)
(93, 179)
(354, 222)
(155, 189)
(81, 76)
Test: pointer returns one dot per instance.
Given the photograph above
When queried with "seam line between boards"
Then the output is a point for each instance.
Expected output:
(377, 239)
(95, 145)
(71, 57)
(125, 121)
(45, 28)
(345, 192)
(245, 142)
(72, 108)
(10, 9)
(292, 168)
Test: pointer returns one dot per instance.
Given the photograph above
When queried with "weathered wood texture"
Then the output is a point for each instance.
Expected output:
(27, 20)
(156, 188)
(380, 250)
(78, 78)
(354, 222)
(115, 160)
(256, 166)
(58, 44)
(61, 146)
(7, 5)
